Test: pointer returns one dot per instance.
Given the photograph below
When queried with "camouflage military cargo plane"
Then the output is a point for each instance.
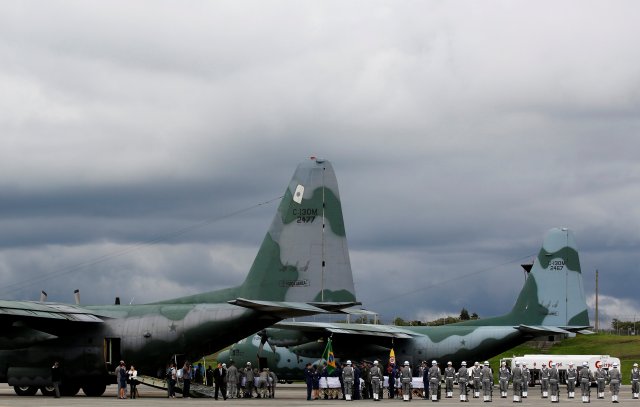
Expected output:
(551, 302)
(302, 268)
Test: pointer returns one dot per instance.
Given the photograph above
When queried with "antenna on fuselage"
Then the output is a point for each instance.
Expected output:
(43, 296)
(76, 295)
(117, 302)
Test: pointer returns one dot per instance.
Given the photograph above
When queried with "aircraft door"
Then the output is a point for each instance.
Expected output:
(112, 354)
(262, 363)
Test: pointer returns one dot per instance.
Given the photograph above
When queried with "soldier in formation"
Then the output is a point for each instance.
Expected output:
(544, 381)
(554, 383)
(477, 380)
(503, 379)
(584, 376)
(601, 377)
(405, 380)
(376, 376)
(614, 381)
(635, 381)
(348, 377)
(487, 381)
(526, 378)
(434, 380)
(463, 377)
(572, 379)
(516, 379)
(449, 378)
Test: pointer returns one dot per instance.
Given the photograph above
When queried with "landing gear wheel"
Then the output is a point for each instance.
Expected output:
(49, 391)
(94, 389)
(25, 390)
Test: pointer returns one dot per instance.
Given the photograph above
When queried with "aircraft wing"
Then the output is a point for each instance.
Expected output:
(284, 309)
(30, 311)
(26, 323)
(348, 329)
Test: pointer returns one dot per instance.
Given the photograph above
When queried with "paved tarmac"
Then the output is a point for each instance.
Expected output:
(286, 395)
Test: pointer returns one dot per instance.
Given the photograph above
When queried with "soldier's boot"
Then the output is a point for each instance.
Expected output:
(449, 394)
(516, 398)
(601, 395)
(434, 396)
(572, 394)
(405, 397)
(635, 395)
(525, 394)
(476, 394)
(347, 397)
(545, 394)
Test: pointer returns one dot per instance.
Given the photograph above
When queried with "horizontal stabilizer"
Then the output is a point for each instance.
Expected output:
(389, 331)
(282, 309)
(542, 330)
(337, 307)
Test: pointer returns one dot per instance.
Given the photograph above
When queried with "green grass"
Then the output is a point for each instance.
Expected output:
(626, 348)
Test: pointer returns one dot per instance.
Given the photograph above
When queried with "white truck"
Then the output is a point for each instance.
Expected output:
(534, 363)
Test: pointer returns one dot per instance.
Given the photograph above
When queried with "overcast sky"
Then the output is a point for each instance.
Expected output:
(460, 132)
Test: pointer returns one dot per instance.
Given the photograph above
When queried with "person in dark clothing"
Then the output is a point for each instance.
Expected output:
(308, 378)
(219, 376)
(356, 382)
(392, 380)
(186, 379)
(209, 376)
(315, 385)
(56, 378)
(338, 374)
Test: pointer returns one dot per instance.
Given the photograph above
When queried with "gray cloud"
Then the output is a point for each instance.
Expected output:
(460, 133)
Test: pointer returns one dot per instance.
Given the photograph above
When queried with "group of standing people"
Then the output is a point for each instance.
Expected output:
(126, 376)
(479, 376)
(229, 382)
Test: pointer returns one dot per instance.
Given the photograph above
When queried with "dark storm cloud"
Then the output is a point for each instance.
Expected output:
(460, 133)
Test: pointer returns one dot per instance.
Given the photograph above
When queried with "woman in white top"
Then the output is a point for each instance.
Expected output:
(133, 373)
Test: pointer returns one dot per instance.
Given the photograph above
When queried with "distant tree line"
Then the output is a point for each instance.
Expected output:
(464, 316)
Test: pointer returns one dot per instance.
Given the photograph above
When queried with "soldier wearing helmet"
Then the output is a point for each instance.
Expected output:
(516, 379)
(554, 383)
(544, 381)
(405, 380)
(449, 378)
(463, 377)
(601, 376)
(503, 379)
(434, 380)
(376, 376)
(348, 377)
(635, 381)
(487, 382)
(572, 379)
(584, 377)
(614, 382)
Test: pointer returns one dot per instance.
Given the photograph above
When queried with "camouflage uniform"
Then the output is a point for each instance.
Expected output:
(449, 377)
(463, 377)
(614, 380)
(232, 381)
(249, 381)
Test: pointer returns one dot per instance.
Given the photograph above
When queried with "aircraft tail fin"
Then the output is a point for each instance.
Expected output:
(304, 256)
(553, 295)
